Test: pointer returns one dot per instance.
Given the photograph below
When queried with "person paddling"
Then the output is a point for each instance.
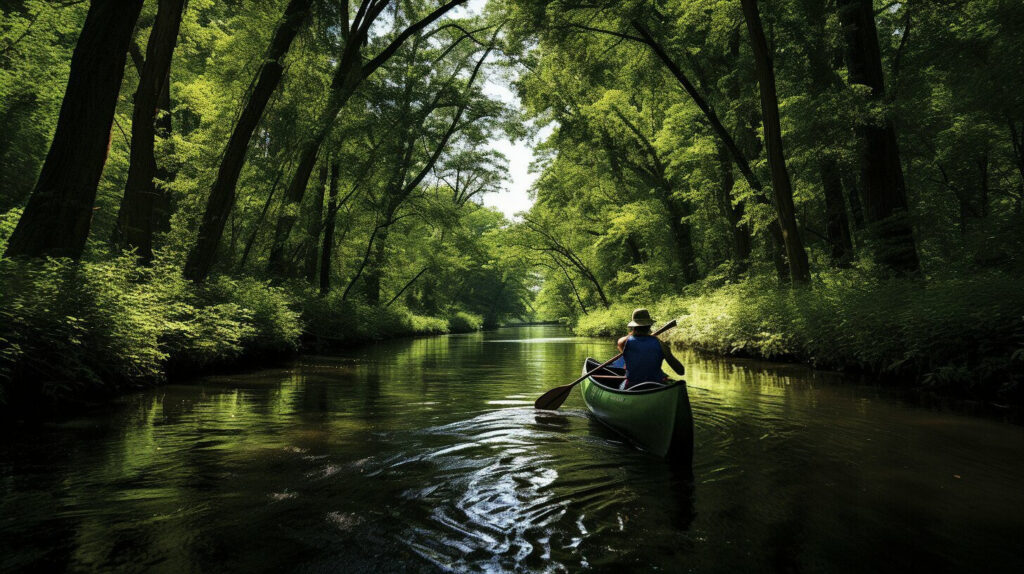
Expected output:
(643, 353)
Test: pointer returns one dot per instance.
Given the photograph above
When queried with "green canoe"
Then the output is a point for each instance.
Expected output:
(655, 416)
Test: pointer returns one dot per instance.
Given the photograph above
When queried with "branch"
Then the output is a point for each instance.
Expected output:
(390, 50)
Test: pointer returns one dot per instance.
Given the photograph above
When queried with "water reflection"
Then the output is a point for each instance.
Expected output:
(425, 454)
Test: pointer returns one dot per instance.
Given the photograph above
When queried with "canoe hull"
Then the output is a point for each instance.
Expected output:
(660, 420)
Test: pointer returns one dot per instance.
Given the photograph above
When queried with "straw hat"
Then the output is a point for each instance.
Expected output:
(641, 318)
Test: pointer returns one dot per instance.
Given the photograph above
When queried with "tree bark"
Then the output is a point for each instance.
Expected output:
(366, 258)
(137, 217)
(776, 239)
(315, 225)
(837, 226)
(374, 273)
(328, 241)
(222, 195)
(739, 231)
(681, 235)
(58, 215)
(853, 193)
(885, 196)
(347, 78)
(782, 188)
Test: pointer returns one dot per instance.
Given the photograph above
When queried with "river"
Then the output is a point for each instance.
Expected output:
(425, 454)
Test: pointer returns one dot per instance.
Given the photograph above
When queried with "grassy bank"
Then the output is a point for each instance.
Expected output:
(70, 330)
(961, 336)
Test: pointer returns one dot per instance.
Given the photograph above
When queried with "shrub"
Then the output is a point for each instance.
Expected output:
(276, 326)
(331, 322)
(68, 328)
(960, 334)
(464, 322)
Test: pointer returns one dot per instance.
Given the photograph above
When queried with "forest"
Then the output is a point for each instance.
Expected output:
(191, 184)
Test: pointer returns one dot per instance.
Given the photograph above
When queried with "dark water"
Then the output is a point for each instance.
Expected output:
(425, 455)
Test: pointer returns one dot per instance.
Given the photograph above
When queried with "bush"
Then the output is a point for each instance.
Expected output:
(464, 322)
(962, 335)
(276, 326)
(70, 328)
(66, 326)
(333, 322)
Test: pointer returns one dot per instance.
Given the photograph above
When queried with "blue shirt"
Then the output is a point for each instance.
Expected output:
(643, 357)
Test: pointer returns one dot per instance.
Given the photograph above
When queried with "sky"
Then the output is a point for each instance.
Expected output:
(514, 196)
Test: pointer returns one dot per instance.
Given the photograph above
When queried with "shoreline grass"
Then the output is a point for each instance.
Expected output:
(961, 336)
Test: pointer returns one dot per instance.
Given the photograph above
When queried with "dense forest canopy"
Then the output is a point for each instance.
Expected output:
(200, 167)
(899, 151)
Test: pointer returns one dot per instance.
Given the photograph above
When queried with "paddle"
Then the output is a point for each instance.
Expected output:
(554, 398)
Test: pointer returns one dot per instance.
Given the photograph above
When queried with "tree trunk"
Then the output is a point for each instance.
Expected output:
(315, 225)
(137, 217)
(739, 231)
(856, 206)
(781, 187)
(677, 211)
(635, 255)
(346, 79)
(983, 190)
(222, 195)
(58, 215)
(162, 204)
(837, 226)
(885, 196)
(374, 273)
(328, 241)
(362, 265)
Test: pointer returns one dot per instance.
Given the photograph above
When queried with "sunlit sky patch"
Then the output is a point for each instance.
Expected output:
(514, 196)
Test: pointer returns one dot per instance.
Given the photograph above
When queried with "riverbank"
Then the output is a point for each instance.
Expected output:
(963, 337)
(80, 331)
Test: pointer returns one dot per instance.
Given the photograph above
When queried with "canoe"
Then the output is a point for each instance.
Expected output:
(655, 416)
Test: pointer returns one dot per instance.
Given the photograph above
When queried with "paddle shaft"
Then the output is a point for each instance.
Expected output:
(556, 396)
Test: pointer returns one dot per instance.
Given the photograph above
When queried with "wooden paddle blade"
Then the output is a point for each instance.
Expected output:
(554, 398)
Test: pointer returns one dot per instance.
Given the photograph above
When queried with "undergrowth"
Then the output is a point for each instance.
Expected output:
(961, 335)
(72, 330)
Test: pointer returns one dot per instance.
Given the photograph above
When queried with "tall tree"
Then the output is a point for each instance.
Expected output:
(410, 170)
(137, 218)
(782, 188)
(315, 224)
(349, 75)
(328, 240)
(222, 195)
(58, 215)
(885, 195)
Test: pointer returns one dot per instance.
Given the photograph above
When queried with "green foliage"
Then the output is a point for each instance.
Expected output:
(276, 325)
(957, 334)
(70, 329)
(334, 322)
(463, 322)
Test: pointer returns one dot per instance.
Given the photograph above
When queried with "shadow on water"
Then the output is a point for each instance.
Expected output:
(426, 455)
